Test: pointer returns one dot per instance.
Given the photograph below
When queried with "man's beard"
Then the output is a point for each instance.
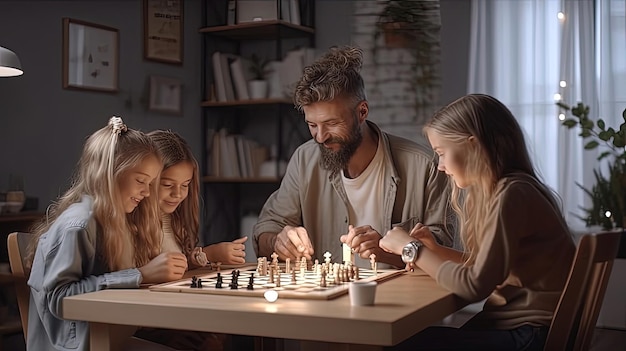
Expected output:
(336, 161)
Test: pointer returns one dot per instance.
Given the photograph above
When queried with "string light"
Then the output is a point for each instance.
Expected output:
(607, 214)
(562, 84)
(557, 97)
(560, 16)
(561, 116)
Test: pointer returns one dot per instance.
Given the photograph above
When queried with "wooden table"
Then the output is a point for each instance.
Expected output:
(404, 305)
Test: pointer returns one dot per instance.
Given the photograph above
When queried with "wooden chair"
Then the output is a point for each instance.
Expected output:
(17, 244)
(576, 314)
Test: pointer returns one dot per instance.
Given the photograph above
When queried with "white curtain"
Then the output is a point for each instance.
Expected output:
(521, 50)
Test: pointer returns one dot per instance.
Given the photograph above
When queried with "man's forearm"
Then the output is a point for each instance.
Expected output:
(266, 243)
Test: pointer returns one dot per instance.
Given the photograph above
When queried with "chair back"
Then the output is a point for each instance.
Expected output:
(17, 244)
(576, 314)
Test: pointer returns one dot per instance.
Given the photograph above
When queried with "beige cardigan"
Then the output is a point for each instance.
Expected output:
(523, 262)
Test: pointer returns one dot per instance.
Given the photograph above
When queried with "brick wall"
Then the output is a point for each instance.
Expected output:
(403, 84)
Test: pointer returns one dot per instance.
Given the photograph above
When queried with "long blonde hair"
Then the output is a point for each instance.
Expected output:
(107, 155)
(498, 150)
(186, 218)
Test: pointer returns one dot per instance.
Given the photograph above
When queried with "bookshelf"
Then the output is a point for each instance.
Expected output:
(235, 183)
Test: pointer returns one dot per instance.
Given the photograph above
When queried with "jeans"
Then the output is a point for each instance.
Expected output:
(524, 338)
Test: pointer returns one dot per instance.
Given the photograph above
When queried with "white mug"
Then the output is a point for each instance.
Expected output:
(362, 293)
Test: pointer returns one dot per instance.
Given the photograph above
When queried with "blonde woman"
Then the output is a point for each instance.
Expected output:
(518, 249)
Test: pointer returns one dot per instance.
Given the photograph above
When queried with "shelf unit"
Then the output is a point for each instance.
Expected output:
(271, 121)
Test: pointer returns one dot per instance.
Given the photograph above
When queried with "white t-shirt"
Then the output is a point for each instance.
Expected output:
(365, 194)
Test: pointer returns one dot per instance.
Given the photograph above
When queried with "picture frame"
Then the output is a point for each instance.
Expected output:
(163, 31)
(90, 56)
(165, 95)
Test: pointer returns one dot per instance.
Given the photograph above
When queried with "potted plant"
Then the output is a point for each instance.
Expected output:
(608, 194)
(403, 22)
(259, 86)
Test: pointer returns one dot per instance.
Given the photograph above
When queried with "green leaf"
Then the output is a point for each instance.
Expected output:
(570, 123)
(587, 124)
(601, 124)
(624, 114)
(563, 105)
(604, 135)
(604, 154)
(585, 133)
(618, 141)
(577, 111)
(591, 145)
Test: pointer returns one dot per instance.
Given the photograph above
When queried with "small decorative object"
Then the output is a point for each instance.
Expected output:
(256, 10)
(608, 195)
(165, 95)
(90, 56)
(14, 201)
(163, 31)
(273, 168)
(258, 86)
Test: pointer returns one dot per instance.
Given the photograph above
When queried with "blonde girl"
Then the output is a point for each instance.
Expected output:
(179, 188)
(511, 228)
(97, 234)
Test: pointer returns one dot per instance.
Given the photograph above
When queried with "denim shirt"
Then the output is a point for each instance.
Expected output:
(67, 262)
(312, 197)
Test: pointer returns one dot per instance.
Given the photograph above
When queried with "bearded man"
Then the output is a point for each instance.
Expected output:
(352, 181)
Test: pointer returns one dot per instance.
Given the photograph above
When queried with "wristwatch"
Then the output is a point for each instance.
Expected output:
(411, 251)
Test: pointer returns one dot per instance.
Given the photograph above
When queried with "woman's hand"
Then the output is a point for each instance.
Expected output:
(422, 233)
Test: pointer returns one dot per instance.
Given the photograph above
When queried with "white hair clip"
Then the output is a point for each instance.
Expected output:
(117, 125)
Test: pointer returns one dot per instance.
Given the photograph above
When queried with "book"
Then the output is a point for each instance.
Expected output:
(218, 77)
(240, 70)
(285, 12)
(294, 9)
(227, 59)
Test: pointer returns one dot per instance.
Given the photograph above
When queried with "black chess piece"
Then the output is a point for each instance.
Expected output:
(234, 283)
(199, 283)
(218, 284)
(194, 282)
(251, 282)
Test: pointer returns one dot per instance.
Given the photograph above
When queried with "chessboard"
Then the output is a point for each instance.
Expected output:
(299, 285)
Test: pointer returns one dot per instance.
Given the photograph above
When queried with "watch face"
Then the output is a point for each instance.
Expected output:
(408, 253)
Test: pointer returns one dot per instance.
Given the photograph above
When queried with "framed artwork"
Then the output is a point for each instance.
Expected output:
(165, 95)
(90, 56)
(163, 30)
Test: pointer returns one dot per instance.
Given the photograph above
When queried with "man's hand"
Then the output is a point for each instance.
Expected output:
(293, 243)
(165, 267)
(362, 240)
(395, 240)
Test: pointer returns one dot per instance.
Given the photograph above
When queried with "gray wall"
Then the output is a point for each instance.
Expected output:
(43, 126)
